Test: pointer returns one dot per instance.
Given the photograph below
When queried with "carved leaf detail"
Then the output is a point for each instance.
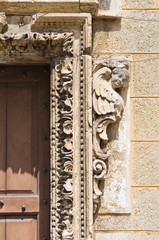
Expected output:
(64, 119)
(108, 106)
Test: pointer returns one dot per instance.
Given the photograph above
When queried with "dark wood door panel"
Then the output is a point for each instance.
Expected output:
(24, 153)
(21, 228)
(2, 136)
(16, 204)
(2, 228)
(21, 135)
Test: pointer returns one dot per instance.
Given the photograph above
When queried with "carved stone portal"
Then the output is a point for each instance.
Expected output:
(64, 42)
(60, 40)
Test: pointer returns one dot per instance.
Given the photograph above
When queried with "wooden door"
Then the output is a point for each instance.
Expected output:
(24, 153)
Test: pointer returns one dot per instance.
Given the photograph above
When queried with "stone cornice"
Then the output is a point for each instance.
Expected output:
(98, 8)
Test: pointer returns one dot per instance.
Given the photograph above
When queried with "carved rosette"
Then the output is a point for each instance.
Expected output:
(109, 77)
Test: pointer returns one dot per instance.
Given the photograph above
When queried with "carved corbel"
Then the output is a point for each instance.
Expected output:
(109, 77)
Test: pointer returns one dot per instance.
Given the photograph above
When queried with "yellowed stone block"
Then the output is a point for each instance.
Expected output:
(136, 32)
(127, 236)
(143, 4)
(145, 160)
(113, 222)
(146, 209)
(145, 80)
(145, 119)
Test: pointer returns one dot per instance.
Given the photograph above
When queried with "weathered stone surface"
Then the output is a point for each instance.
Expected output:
(109, 8)
(113, 222)
(145, 161)
(136, 32)
(99, 8)
(111, 134)
(3, 22)
(145, 81)
(145, 115)
(127, 235)
(146, 209)
(144, 4)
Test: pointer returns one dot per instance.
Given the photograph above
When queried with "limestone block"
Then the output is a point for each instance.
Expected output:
(130, 34)
(145, 81)
(127, 236)
(146, 209)
(113, 222)
(109, 8)
(145, 115)
(139, 4)
(145, 160)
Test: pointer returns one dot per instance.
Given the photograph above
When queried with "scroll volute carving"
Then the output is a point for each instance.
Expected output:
(108, 105)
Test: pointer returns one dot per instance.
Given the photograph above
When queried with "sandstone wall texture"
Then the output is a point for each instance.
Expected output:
(136, 35)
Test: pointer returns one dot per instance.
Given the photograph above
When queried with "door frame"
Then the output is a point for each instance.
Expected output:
(67, 49)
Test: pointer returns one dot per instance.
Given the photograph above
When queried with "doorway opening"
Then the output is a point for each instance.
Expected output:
(25, 152)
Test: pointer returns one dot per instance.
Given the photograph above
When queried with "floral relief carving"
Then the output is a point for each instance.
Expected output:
(109, 77)
(64, 149)
(48, 42)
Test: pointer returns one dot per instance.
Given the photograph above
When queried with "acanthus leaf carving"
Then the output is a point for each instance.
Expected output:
(64, 138)
(51, 43)
(109, 77)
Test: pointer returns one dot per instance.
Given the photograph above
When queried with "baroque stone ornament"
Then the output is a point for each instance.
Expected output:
(63, 141)
(49, 43)
(63, 41)
(109, 77)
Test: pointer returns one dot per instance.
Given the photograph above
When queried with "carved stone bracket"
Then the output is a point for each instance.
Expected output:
(110, 76)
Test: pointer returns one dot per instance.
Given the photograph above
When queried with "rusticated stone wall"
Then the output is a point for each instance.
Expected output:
(136, 35)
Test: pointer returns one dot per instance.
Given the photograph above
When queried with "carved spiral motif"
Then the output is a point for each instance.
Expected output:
(100, 169)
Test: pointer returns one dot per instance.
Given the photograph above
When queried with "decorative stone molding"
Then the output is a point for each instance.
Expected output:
(51, 44)
(98, 8)
(111, 75)
(62, 141)
(65, 48)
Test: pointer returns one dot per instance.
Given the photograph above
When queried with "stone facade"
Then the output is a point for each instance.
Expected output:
(104, 135)
(135, 35)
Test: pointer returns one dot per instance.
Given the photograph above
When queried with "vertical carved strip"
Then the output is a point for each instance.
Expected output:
(63, 136)
(52, 156)
(82, 128)
(109, 77)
